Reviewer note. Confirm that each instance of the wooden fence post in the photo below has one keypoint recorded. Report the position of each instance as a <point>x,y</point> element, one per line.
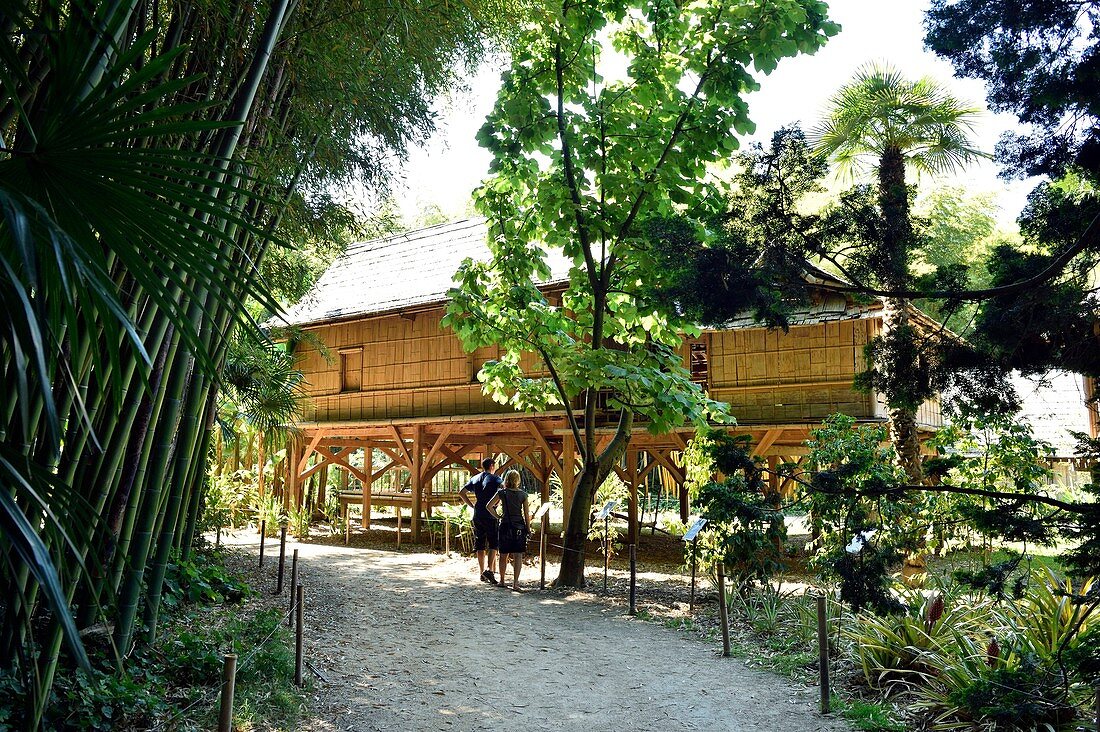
<point>299,630</point>
<point>633,578</point>
<point>694,566</point>
<point>229,682</point>
<point>606,550</point>
<point>282,561</point>
<point>263,535</point>
<point>723,611</point>
<point>447,536</point>
<point>293,584</point>
<point>823,653</point>
<point>542,550</point>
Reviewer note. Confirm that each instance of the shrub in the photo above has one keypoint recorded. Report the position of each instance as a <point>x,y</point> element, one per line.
<point>764,609</point>
<point>1024,698</point>
<point>745,529</point>
<point>202,579</point>
<point>1051,617</point>
<point>897,649</point>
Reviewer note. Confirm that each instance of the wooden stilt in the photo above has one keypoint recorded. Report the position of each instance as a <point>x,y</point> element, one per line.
<point>633,579</point>
<point>417,481</point>
<point>568,461</point>
<point>368,465</point>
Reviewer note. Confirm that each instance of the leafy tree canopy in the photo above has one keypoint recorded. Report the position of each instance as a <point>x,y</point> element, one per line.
<point>1039,60</point>
<point>584,165</point>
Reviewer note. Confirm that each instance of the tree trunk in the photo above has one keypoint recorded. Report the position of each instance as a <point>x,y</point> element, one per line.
<point>571,573</point>
<point>898,241</point>
<point>596,470</point>
<point>903,418</point>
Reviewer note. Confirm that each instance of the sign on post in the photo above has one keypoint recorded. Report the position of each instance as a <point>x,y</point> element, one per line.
<point>695,529</point>
<point>606,510</point>
<point>542,511</point>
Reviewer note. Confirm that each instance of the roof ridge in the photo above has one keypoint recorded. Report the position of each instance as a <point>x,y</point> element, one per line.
<point>410,235</point>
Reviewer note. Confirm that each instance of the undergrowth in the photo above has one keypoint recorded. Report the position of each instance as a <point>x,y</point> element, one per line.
<point>174,683</point>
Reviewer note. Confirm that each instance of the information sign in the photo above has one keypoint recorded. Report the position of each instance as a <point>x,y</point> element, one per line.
<point>695,529</point>
<point>543,509</point>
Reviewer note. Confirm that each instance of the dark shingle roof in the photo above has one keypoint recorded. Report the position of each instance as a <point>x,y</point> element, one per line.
<point>827,307</point>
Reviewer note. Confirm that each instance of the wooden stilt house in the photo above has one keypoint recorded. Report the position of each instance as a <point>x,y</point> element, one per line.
<point>387,383</point>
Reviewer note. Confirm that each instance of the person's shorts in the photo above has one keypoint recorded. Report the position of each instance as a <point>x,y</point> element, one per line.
<point>485,534</point>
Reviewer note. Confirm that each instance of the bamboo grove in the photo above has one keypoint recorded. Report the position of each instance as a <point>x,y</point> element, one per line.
<point>153,153</point>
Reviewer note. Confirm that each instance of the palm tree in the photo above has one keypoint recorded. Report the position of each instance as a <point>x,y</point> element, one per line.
<point>882,121</point>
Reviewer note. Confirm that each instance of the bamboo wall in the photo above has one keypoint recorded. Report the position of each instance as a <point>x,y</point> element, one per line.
<point>411,367</point>
<point>802,375</point>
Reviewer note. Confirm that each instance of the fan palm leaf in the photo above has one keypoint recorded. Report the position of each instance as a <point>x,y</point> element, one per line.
<point>881,110</point>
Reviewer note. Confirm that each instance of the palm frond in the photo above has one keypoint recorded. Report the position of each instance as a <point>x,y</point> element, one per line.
<point>881,109</point>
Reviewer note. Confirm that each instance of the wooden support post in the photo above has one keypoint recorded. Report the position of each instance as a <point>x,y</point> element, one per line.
<point>282,560</point>
<point>291,494</point>
<point>568,462</point>
<point>263,536</point>
<point>368,484</point>
<point>293,584</point>
<point>347,523</point>
<point>685,503</point>
<point>397,510</point>
<point>417,481</point>
<point>544,489</point>
<point>229,683</point>
<point>542,550</point>
<point>723,611</point>
<point>322,484</point>
<point>299,632</point>
<point>823,653</point>
<point>633,578</point>
<point>447,536</point>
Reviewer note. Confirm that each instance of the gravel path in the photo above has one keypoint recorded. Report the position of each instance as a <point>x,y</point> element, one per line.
<point>415,642</point>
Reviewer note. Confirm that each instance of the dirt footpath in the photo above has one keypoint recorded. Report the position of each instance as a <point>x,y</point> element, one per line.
<point>415,642</point>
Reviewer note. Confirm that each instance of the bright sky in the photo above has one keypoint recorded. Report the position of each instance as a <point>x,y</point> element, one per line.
<point>450,165</point>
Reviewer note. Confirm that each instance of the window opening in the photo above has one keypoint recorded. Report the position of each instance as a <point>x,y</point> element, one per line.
<point>351,370</point>
<point>699,363</point>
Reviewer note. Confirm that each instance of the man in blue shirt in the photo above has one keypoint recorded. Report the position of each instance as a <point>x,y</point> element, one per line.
<point>484,486</point>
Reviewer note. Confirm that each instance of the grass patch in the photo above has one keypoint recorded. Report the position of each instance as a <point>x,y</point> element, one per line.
<point>868,716</point>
